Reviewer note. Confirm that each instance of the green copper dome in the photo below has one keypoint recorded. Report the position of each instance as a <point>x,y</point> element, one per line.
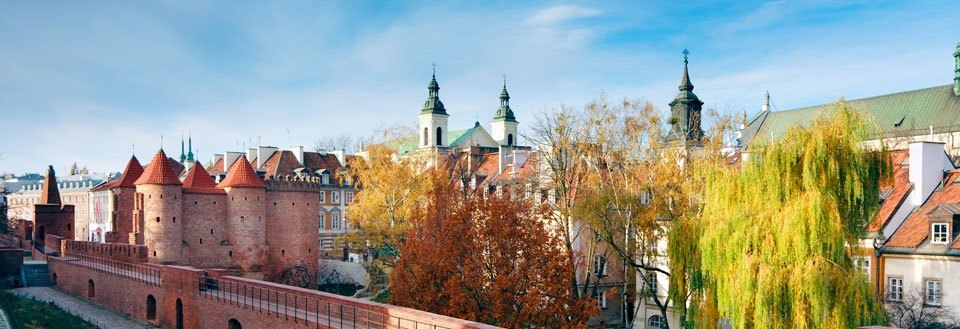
<point>433,105</point>
<point>504,113</point>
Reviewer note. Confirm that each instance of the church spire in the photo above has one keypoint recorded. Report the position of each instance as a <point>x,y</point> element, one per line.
<point>190,148</point>
<point>433,103</point>
<point>685,84</point>
<point>685,111</point>
<point>505,113</point>
<point>956,71</point>
<point>183,156</point>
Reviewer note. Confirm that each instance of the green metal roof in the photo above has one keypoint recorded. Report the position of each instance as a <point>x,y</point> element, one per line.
<point>409,145</point>
<point>907,113</point>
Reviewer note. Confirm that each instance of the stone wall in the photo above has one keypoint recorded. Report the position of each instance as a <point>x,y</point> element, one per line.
<point>204,234</point>
<point>292,228</point>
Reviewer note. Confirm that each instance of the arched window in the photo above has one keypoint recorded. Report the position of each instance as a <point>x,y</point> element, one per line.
<point>509,139</point>
<point>234,324</point>
<point>657,322</point>
<point>151,308</point>
<point>179,314</point>
<point>439,136</point>
<point>426,136</point>
<point>91,289</point>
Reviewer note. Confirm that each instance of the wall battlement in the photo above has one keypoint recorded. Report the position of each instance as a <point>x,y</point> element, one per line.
<point>292,183</point>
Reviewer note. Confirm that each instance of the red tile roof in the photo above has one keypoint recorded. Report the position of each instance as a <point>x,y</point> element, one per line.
<point>50,193</point>
<point>916,229</point>
<point>327,161</point>
<point>241,174</point>
<point>216,168</point>
<point>281,163</point>
<point>131,173</point>
<point>199,181</point>
<point>900,186</point>
<point>161,171</point>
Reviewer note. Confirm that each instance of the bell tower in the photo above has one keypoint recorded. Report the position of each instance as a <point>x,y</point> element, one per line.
<point>433,117</point>
<point>685,112</point>
<point>504,125</point>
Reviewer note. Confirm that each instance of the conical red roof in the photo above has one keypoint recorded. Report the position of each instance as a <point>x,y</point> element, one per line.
<point>198,181</point>
<point>50,194</point>
<point>159,172</point>
<point>131,173</point>
<point>241,174</point>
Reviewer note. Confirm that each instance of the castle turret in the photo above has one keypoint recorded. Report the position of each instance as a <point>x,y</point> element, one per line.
<point>504,125</point>
<point>246,214</point>
<point>124,194</point>
<point>433,117</point>
<point>160,196</point>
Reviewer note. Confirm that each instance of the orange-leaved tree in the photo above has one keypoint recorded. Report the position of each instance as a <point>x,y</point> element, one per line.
<point>486,259</point>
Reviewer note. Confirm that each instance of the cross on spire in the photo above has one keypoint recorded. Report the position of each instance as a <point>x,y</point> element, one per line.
<point>685,54</point>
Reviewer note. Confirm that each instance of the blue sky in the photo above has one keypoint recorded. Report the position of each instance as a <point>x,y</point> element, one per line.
<point>82,81</point>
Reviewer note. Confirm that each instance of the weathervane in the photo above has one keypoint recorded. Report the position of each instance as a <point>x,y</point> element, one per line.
<point>685,53</point>
<point>504,80</point>
<point>434,68</point>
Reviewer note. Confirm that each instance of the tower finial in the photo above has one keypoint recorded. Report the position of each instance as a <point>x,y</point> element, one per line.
<point>434,64</point>
<point>183,155</point>
<point>504,81</point>
<point>685,84</point>
<point>766,103</point>
<point>190,146</point>
<point>685,53</point>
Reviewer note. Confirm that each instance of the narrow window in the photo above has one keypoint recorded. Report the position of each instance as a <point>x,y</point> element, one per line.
<point>509,139</point>
<point>158,219</point>
<point>426,137</point>
<point>934,292</point>
<point>439,136</point>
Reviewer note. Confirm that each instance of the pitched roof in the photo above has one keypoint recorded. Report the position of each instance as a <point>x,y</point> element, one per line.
<point>161,171</point>
<point>915,230</point>
<point>241,174</point>
<point>322,161</point>
<point>898,114</point>
<point>216,168</point>
<point>281,163</point>
<point>409,145</point>
<point>50,193</point>
<point>199,181</point>
<point>898,188</point>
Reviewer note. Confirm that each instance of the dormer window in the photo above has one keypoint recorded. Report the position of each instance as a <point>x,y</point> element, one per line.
<point>326,178</point>
<point>940,233</point>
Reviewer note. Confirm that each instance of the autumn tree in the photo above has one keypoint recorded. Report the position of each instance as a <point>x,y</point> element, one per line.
<point>486,259</point>
<point>391,189</point>
<point>776,234</point>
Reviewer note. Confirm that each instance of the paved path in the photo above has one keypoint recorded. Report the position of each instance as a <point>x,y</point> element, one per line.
<point>98,315</point>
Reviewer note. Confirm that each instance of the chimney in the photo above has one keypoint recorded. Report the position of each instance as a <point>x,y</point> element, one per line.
<point>251,154</point>
<point>229,158</point>
<point>502,155</point>
<point>519,158</point>
<point>298,152</point>
<point>928,161</point>
<point>341,156</point>
<point>264,153</point>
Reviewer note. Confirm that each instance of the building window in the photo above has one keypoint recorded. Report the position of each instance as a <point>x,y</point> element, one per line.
<point>934,292</point>
<point>645,198</point>
<point>863,263</point>
<point>323,196</point>
<point>439,136</point>
<point>509,139</point>
<point>325,178</point>
<point>426,136</point>
<point>599,266</point>
<point>323,219</point>
<point>348,197</point>
<point>894,289</point>
<point>940,235</point>
<point>335,196</point>
<point>657,322</point>
<point>601,299</point>
<point>652,283</point>
<point>335,219</point>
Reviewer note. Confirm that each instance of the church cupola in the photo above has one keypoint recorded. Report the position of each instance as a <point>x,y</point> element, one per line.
<point>504,125</point>
<point>685,111</point>
<point>956,71</point>
<point>433,117</point>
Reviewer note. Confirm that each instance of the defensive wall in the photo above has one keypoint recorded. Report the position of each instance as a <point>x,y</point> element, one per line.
<point>185,297</point>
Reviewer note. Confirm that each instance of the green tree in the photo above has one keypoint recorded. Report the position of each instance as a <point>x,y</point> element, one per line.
<point>776,234</point>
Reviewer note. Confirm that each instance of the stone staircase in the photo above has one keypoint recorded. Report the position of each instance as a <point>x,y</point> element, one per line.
<point>35,274</point>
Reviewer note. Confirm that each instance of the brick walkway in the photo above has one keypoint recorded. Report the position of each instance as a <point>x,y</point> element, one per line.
<point>98,315</point>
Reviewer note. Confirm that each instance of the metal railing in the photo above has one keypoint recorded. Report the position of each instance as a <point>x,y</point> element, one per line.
<point>301,309</point>
<point>137,272</point>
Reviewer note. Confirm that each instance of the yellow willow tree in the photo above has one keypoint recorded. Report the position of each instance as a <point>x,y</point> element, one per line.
<point>777,234</point>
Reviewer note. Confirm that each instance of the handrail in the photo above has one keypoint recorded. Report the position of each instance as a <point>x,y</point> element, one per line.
<point>309,311</point>
<point>140,273</point>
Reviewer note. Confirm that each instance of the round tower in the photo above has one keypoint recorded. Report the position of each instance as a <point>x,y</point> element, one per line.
<point>246,217</point>
<point>159,188</point>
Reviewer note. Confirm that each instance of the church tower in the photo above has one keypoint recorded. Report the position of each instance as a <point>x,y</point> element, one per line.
<point>433,117</point>
<point>685,113</point>
<point>504,125</point>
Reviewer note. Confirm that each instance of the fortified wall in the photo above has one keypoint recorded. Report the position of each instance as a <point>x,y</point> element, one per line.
<point>185,297</point>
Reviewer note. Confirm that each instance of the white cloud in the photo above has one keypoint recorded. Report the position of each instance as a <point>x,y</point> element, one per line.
<point>560,14</point>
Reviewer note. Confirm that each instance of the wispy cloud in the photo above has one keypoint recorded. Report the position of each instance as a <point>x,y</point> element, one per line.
<point>561,13</point>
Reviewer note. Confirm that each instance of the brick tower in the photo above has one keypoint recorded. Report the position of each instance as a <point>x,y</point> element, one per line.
<point>159,190</point>
<point>246,222</point>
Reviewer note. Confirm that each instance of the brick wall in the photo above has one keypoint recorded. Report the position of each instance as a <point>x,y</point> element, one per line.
<point>114,251</point>
<point>213,307</point>
<point>291,229</point>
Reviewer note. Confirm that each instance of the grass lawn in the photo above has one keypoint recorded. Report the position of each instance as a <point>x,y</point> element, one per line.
<point>33,314</point>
